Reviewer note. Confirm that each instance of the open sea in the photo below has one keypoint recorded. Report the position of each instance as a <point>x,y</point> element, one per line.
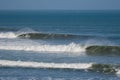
<point>60,45</point>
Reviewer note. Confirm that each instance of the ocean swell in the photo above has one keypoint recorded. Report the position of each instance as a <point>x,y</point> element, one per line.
<point>103,50</point>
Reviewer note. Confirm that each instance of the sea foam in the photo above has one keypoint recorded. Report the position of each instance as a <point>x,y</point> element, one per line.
<point>71,48</point>
<point>7,35</point>
<point>9,63</point>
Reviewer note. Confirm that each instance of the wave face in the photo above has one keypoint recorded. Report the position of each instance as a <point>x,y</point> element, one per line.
<point>35,35</point>
<point>51,36</point>
<point>103,50</point>
<point>104,68</point>
<point>46,36</point>
<point>31,34</point>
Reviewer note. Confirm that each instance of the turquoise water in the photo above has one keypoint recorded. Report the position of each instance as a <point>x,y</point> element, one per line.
<point>18,56</point>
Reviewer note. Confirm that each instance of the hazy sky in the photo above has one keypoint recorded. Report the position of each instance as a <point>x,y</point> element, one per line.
<point>60,4</point>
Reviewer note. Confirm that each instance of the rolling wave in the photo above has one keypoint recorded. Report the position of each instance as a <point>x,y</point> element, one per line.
<point>71,48</point>
<point>60,48</point>
<point>103,50</point>
<point>36,35</point>
<point>51,36</point>
<point>103,68</point>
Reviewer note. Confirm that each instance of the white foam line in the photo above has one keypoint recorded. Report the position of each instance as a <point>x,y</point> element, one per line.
<point>72,47</point>
<point>8,63</point>
<point>8,35</point>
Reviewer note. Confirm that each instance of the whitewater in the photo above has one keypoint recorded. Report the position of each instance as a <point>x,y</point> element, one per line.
<point>7,35</point>
<point>59,45</point>
<point>28,45</point>
<point>8,63</point>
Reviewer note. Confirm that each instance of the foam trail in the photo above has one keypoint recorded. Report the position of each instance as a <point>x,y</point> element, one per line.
<point>8,35</point>
<point>8,63</point>
<point>71,48</point>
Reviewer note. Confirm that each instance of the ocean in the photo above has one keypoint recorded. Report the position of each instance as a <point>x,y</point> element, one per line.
<point>60,45</point>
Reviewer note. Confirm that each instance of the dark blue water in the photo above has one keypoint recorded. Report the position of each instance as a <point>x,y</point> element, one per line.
<point>94,27</point>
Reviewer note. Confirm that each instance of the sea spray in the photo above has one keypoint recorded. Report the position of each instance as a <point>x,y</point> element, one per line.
<point>98,41</point>
<point>7,35</point>
<point>25,31</point>
<point>50,48</point>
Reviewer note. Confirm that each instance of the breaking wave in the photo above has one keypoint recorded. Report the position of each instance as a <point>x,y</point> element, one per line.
<point>71,48</point>
<point>7,35</point>
<point>41,35</point>
<point>103,68</point>
<point>28,45</point>
<point>36,35</point>
<point>51,36</point>
<point>8,63</point>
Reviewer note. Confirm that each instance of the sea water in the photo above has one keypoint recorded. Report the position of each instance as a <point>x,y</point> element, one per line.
<point>58,52</point>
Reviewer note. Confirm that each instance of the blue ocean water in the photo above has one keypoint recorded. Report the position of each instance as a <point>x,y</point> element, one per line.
<point>53,57</point>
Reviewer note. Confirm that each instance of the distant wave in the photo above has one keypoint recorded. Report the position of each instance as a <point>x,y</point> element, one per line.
<point>103,68</point>
<point>36,35</point>
<point>46,36</point>
<point>28,35</point>
<point>52,36</point>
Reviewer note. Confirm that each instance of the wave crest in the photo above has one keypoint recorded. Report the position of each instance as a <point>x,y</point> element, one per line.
<point>71,48</point>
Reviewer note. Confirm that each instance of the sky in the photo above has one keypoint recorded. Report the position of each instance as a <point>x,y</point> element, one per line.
<point>59,4</point>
